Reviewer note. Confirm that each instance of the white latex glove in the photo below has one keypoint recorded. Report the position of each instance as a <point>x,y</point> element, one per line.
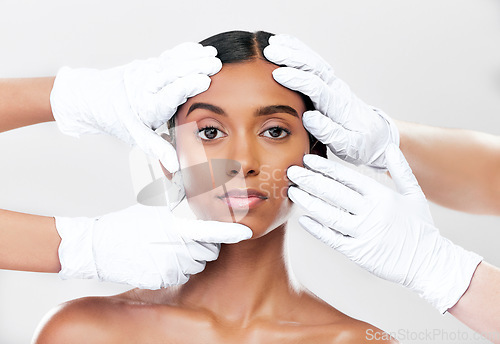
<point>130,101</point>
<point>354,131</point>
<point>390,234</point>
<point>143,246</point>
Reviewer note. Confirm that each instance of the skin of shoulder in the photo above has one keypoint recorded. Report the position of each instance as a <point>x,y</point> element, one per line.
<point>347,330</point>
<point>363,333</point>
<point>117,320</point>
<point>341,328</point>
<point>85,320</point>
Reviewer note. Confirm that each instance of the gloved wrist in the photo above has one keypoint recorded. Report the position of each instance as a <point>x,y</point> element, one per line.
<point>77,91</point>
<point>75,251</point>
<point>69,112</point>
<point>389,134</point>
<point>142,246</point>
<point>393,129</point>
<point>446,274</point>
<point>370,149</point>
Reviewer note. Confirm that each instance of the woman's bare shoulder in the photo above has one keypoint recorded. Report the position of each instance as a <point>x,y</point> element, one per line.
<point>85,320</point>
<point>358,332</point>
<point>333,326</point>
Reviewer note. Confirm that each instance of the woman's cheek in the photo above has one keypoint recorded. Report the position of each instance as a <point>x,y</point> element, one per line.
<point>278,182</point>
<point>265,187</point>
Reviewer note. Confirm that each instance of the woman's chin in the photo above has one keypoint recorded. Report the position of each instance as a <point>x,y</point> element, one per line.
<point>258,228</point>
<point>260,220</point>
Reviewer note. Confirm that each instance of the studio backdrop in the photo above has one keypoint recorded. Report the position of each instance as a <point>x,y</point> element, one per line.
<point>432,62</point>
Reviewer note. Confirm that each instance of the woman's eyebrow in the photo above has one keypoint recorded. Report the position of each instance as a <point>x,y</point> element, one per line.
<point>272,109</point>
<point>206,106</point>
<point>262,111</point>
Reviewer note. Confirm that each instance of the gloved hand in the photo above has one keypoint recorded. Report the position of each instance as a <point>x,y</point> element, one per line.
<point>390,234</point>
<point>354,131</point>
<point>146,247</point>
<point>130,101</point>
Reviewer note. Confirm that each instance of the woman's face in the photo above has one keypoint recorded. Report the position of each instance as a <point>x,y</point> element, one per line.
<point>252,127</point>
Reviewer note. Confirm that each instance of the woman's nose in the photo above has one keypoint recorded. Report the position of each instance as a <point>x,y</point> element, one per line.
<point>245,159</point>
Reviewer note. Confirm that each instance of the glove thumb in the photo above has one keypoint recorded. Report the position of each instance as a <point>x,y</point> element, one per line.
<point>400,171</point>
<point>328,132</point>
<point>214,231</point>
<point>155,146</point>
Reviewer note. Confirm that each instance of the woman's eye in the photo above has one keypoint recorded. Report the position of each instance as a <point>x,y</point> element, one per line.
<point>210,133</point>
<point>276,133</point>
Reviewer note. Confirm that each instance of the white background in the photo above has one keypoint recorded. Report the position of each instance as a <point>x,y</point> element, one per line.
<point>433,62</point>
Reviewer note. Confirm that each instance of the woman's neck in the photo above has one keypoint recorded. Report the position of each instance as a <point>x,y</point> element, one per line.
<point>249,280</point>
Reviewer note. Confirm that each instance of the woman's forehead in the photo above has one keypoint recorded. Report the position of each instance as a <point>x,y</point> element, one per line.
<point>248,84</point>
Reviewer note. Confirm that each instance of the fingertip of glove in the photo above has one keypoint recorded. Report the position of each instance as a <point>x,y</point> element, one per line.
<point>170,164</point>
<point>181,48</point>
<point>311,114</point>
<point>314,120</point>
<point>293,172</point>
<point>245,232</point>
<point>392,155</point>
<point>281,38</point>
<point>204,81</point>
<point>217,66</point>
<point>311,226</point>
<point>280,72</point>
<point>391,150</point>
<point>189,50</point>
<point>289,74</point>
<point>229,232</point>
<point>197,78</point>
<point>294,193</point>
<point>271,52</point>
<point>311,160</point>
<point>305,221</point>
<point>210,50</point>
<point>157,147</point>
<point>193,84</point>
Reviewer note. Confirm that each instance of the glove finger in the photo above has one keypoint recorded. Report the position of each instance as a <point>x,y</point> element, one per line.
<point>288,41</point>
<point>325,188</point>
<point>203,251</point>
<point>156,109</point>
<point>292,44</point>
<point>290,57</point>
<point>332,134</point>
<point>174,261</point>
<point>186,266</point>
<point>178,69</point>
<point>167,155</point>
<point>165,268</point>
<point>154,145</point>
<point>293,53</point>
<point>215,231</point>
<point>205,65</point>
<point>188,50</point>
<point>316,89</point>
<point>343,174</point>
<point>176,93</point>
<point>323,212</point>
<point>328,236</point>
<point>401,173</point>
<point>194,268</point>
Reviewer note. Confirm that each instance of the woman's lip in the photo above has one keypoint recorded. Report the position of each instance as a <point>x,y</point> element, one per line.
<point>242,199</point>
<point>243,194</point>
<point>242,203</point>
